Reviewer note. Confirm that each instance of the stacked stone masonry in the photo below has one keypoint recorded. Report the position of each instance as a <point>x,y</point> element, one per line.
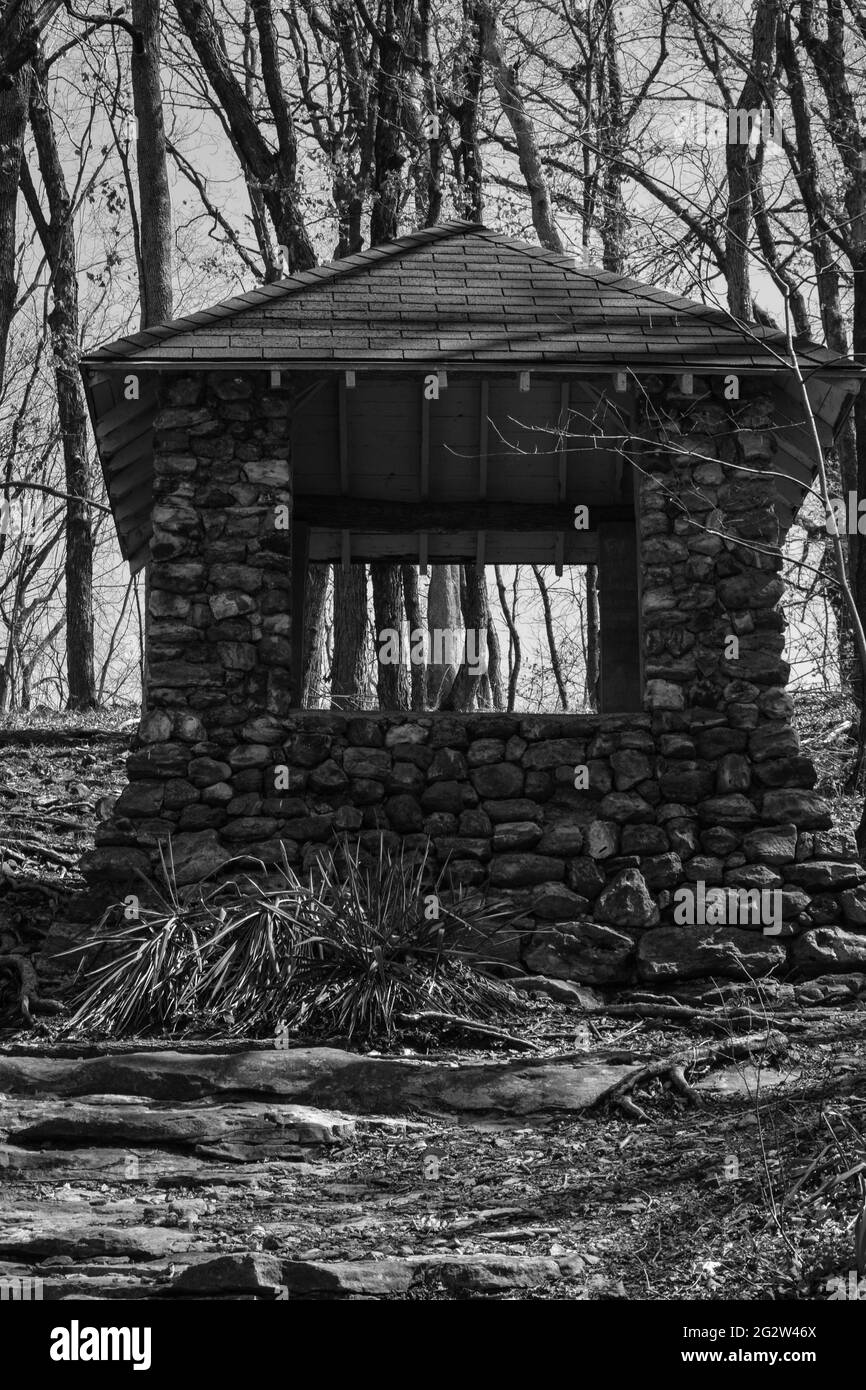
<point>708,786</point>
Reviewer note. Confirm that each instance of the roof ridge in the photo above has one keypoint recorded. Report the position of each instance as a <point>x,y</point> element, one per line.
<point>342,268</point>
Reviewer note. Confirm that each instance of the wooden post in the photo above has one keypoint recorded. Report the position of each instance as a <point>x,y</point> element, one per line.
<point>300,557</point>
<point>618,601</point>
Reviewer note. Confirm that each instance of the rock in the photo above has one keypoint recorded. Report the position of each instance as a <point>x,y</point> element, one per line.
<point>497,781</point>
<point>555,903</point>
<point>643,839</point>
<point>443,796</point>
<point>662,871</point>
<point>777,739</point>
<point>328,778</point>
<point>196,855</point>
<point>829,949</point>
<point>805,809</point>
<point>630,767</point>
<point>684,953</point>
<point>555,752</point>
<point>563,991</point>
<point>751,589</point>
<point>664,695</point>
<point>367,763</point>
<point>601,839</point>
<point>759,876</point>
<point>514,870</point>
<point>484,751</point>
<point>447,766</point>
<point>516,835</point>
<point>720,840</point>
<point>626,902</point>
<point>235,1273</point>
<point>564,838</point>
<point>323,1075</point>
<point>205,772</point>
<point>734,774</point>
<point>188,1126</point>
<point>686,781</point>
<point>510,810</point>
<point>365,1278</point>
<point>853,904</point>
<point>584,951</point>
<point>838,843</point>
<point>773,844</point>
<point>728,810</point>
<point>404,814</point>
<point>114,864</point>
<point>625,806</point>
<point>584,877</point>
<point>818,874</point>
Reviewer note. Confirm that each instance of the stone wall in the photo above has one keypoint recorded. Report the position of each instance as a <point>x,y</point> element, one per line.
<point>707,788</point>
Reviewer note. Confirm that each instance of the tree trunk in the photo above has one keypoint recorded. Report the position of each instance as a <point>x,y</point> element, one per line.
<point>515,655</point>
<point>58,237</point>
<point>514,110</point>
<point>443,615</point>
<point>391,684</point>
<point>593,647</point>
<point>350,637</point>
<point>315,598</point>
<point>14,97</point>
<point>154,199</point>
<point>551,637</point>
<point>739,214</point>
<point>412,603</point>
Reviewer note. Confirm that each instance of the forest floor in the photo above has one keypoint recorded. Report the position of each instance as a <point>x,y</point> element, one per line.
<point>636,1154</point>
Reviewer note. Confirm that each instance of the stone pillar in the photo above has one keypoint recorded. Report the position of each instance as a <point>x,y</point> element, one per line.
<point>218,629</point>
<point>737,801</point>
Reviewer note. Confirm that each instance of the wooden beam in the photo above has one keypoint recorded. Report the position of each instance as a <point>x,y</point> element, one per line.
<point>484,420</point>
<point>300,564</point>
<point>374,514</point>
<point>480,547</point>
<point>424,480</point>
<point>422,551</point>
<point>619,612</point>
<point>343,435</point>
<point>564,401</point>
<point>501,547</point>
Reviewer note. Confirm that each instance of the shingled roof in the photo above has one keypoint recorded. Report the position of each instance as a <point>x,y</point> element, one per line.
<point>455,296</point>
<point>458,293</point>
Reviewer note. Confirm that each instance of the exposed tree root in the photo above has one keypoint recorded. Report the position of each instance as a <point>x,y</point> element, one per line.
<point>673,1067</point>
<point>30,1001</point>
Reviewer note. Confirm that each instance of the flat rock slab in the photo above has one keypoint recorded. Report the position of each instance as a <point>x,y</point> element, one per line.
<point>255,1122</point>
<point>84,1236</point>
<point>154,1167</point>
<point>253,1272</point>
<point>746,1080</point>
<point>327,1077</point>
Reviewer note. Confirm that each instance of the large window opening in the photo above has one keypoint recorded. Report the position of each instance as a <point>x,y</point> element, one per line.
<point>461,637</point>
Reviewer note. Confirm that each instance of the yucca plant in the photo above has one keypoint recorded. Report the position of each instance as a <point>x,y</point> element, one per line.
<point>362,941</point>
<point>375,948</point>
